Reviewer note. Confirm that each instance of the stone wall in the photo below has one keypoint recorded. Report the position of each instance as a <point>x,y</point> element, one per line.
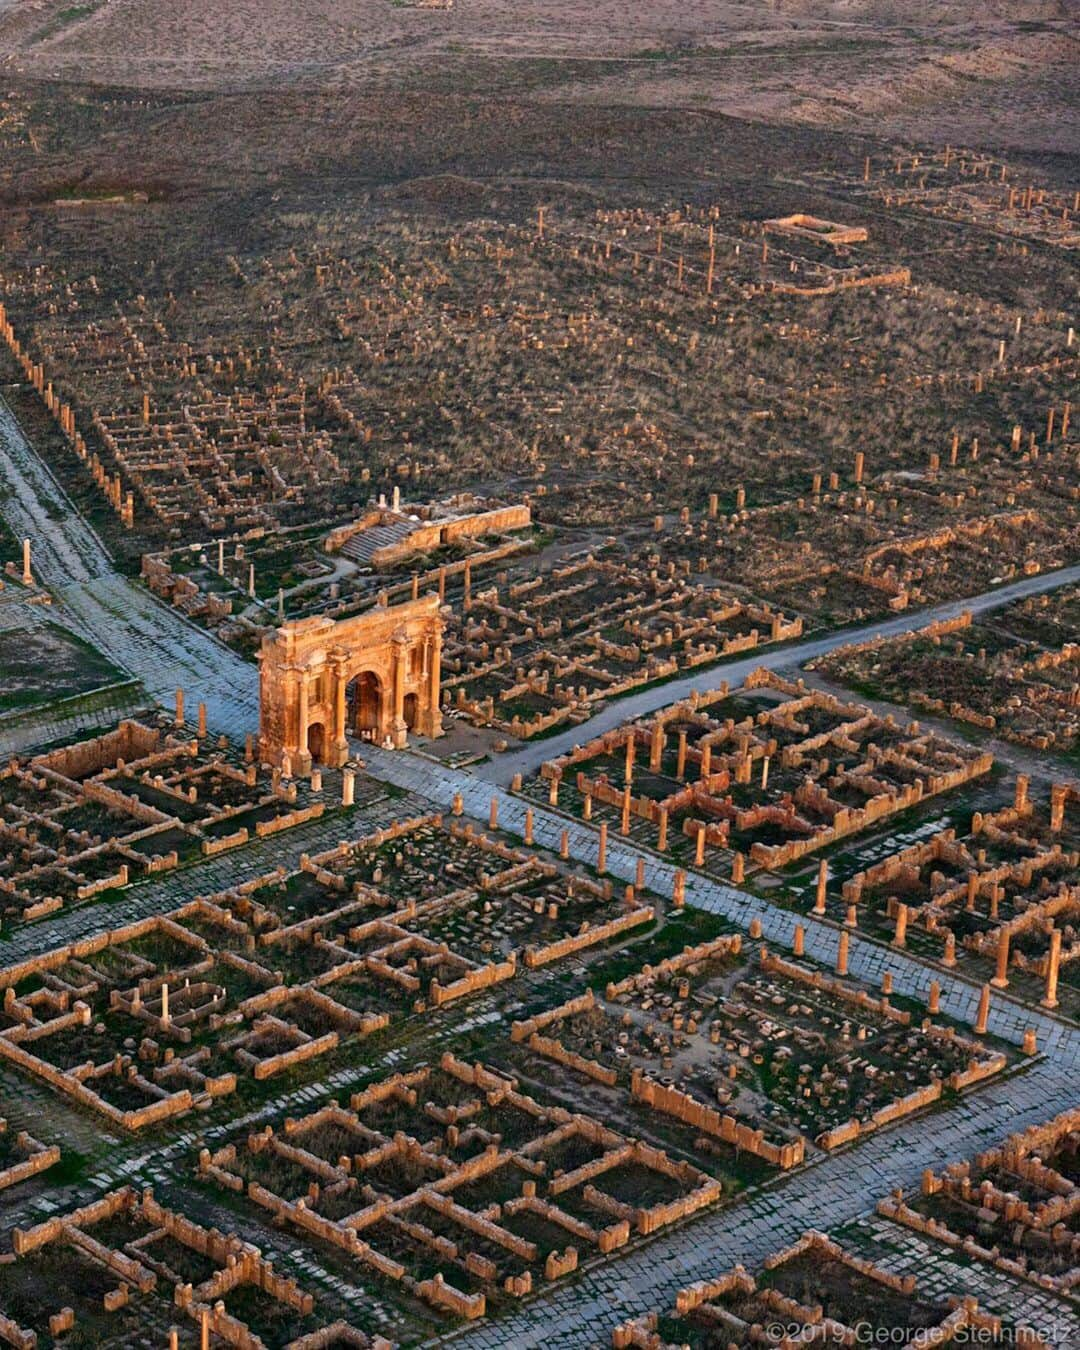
<point>672,1102</point>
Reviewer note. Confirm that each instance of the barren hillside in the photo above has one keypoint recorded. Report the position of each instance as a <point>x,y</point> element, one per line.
<point>1003,70</point>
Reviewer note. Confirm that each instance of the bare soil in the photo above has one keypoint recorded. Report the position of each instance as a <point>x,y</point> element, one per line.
<point>954,69</point>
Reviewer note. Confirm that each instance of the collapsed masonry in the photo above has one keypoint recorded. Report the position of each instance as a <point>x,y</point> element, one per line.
<point>241,586</point>
<point>702,1036</point>
<point>94,815</point>
<point>1019,676</point>
<point>1007,893</point>
<point>127,1260</point>
<point>529,654</point>
<point>237,985</point>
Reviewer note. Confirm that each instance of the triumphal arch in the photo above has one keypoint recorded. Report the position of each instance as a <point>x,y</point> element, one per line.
<point>375,676</point>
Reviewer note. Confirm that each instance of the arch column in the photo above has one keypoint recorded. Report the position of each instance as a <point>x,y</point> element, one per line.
<point>433,652</point>
<point>293,722</point>
<point>399,731</point>
<point>302,759</point>
<point>337,752</point>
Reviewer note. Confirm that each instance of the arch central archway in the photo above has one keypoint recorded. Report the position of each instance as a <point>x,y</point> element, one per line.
<point>364,697</point>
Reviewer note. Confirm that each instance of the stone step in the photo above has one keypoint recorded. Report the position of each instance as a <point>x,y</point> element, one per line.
<point>362,547</point>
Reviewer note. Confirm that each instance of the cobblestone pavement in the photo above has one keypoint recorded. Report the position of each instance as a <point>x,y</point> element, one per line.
<point>138,1162</point>
<point>834,1191</point>
<point>26,728</point>
<point>57,721</point>
<point>153,643</point>
<point>868,959</point>
<point>37,508</point>
<point>157,646</point>
<point>940,1272</point>
<point>163,650</point>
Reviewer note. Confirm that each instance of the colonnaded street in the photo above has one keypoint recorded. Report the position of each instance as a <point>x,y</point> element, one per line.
<point>162,651</point>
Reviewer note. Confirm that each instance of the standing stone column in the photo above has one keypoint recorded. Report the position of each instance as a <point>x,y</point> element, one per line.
<point>982,1017</point>
<point>1058,794</point>
<point>822,885</point>
<point>1001,973</point>
<point>1053,965</point>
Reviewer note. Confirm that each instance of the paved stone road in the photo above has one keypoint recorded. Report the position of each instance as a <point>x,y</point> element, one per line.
<point>788,656</point>
<point>152,642</point>
<point>37,508</point>
<point>940,1272</point>
<point>868,959</point>
<point>163,650</point>
<point>60,722</point>
<point>25,728</point>
<point>160,648</point>
<point>829,1193</point>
